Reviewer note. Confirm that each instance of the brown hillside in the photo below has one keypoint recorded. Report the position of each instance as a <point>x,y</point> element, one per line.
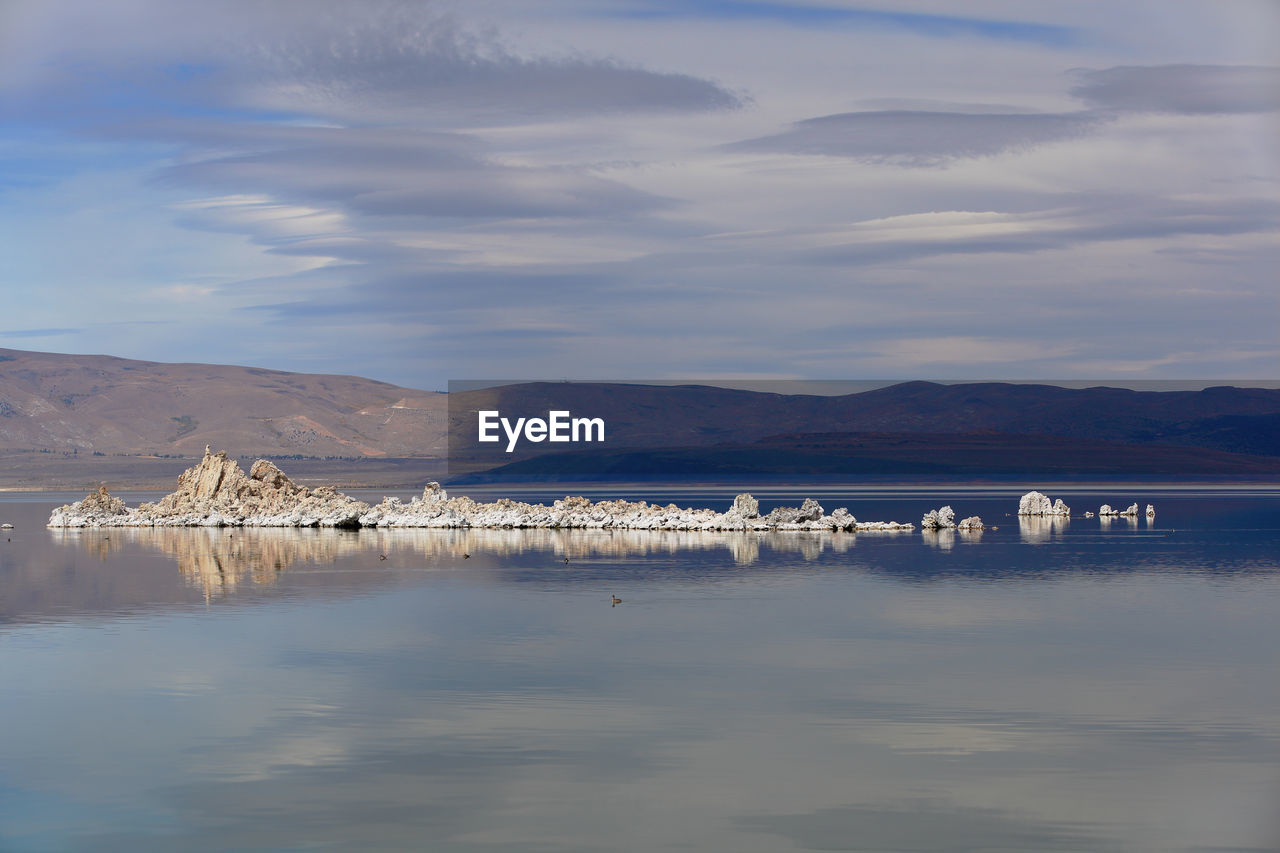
<point>98,403</point>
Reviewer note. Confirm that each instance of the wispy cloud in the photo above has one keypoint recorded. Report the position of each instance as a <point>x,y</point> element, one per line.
<point>1186,89</point>
<point>920,138</point>
<point>812,15</point>
<point>37,333</point>
<point>702,187</point>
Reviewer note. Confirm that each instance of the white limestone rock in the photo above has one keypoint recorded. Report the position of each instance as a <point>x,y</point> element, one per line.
<point>217,493</point>
<point>973,522</point>
<point>97,509</point>
<point>744,507</point>
<point>890,526</point>
<point>842,519</point>
<point>1106,511</point>
<point>1151,511</point>
<point>1034,503</point>
<point>1131,512</point>
<point>939,519</point>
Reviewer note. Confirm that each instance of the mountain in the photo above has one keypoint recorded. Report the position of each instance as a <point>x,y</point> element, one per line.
<point>99,417</point>
<point>895,455</point>
<point>83,404</point>
<point>1221,418</point>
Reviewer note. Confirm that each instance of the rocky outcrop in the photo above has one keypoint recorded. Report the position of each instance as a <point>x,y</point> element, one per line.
<point>744,507</point>
<point>939,519</point>
<point>945,519</point>
<point>98,509</point>
<point>1107,512</point>
<point>1131,512</point>
<point>217,493</point>
<point>435,509</point>
<point>1034,503</point>
<point>1151,511</point>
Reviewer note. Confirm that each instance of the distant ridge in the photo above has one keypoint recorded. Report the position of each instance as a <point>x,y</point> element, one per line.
<point>1229,419</point>
<point>889,456</point>
<point>105,408</point>
<point>84,404</point>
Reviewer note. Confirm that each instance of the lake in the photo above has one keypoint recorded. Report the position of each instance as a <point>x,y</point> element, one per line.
<point>1091,685</point>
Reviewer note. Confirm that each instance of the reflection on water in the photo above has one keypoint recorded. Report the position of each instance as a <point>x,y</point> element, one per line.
<point>1036,529</point>
<point>945,538</point>
<point>1044,687</point>
<point>222,557</point>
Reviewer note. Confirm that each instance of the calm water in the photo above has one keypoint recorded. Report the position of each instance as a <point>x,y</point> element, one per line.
<point>1081,687</point>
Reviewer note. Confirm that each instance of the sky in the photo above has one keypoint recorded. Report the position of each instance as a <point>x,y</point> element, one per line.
<point>575,189</point>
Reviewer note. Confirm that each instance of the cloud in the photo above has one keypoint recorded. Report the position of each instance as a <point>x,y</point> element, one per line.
<point>436,295</point>
<point>375,172</point>
<point>1185,89</point>
<point>902,239</point>
<point>372,62</point>
<point>37,333</point>
<point>922,138</point>
<point>557,185</point>
<point>392,69</point>
<point>805,15</point>
<point>922,826</point>
<point>933,137</point>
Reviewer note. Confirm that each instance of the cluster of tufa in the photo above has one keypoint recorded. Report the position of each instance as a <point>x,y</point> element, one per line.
<point>945,519</point>
<point>217,493</point>
<point>1106,511</point>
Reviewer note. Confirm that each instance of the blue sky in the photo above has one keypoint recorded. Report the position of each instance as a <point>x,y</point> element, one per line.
<point>427,191</point>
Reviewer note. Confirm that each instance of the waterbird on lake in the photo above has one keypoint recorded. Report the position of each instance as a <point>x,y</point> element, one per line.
<point>382,556</point>
<point>466,556</point>
<point>566,561</point>
<point>616,600</point>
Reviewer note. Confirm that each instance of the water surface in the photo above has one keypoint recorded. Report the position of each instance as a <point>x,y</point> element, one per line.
<point>1078,686</point>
